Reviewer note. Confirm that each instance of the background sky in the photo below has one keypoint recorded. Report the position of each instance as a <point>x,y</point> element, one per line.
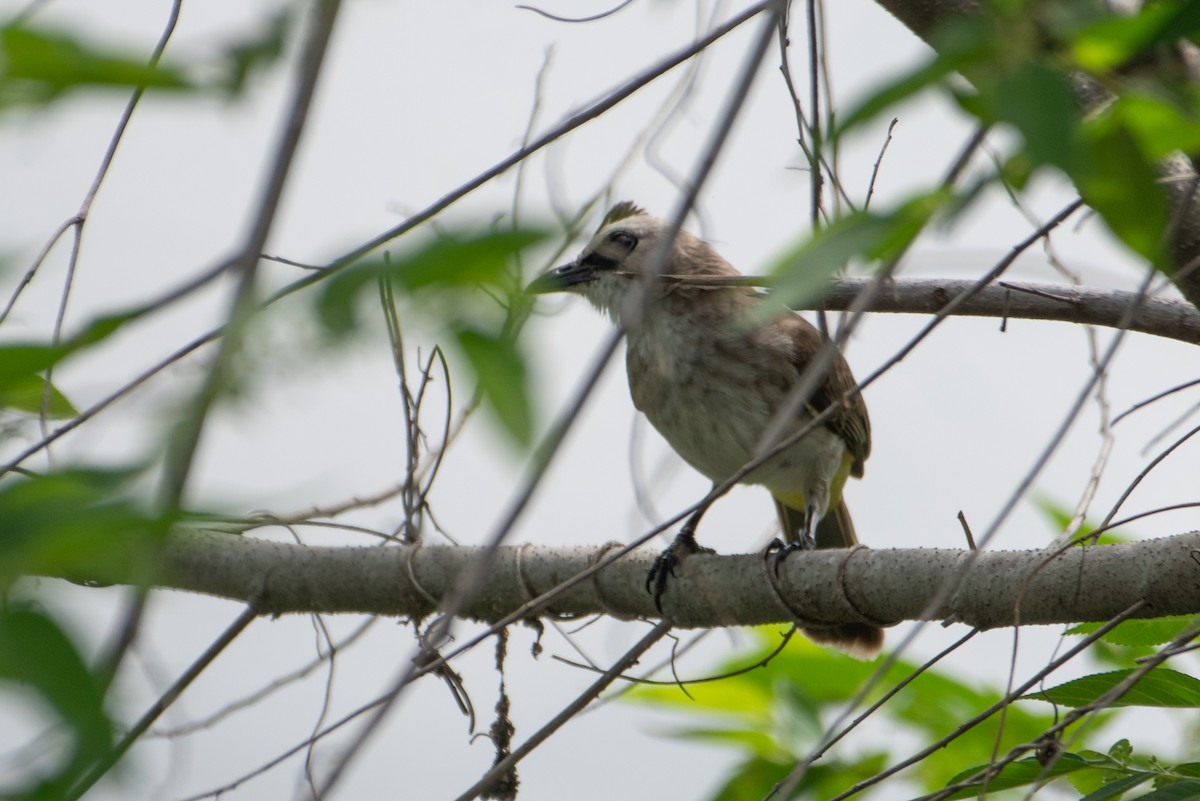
<point>416,99</point>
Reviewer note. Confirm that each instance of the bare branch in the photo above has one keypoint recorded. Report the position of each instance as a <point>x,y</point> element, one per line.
<point>885,586</point>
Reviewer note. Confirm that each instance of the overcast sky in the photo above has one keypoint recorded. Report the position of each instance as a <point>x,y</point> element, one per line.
<point>416,99</point>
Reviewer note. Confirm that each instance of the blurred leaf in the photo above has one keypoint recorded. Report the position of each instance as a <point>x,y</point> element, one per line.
<point>1159,125</point>
<point>75,523</point>
<point>500,370</point>
<point>24,393</point>
<point>1111,42</point>
<point>1060,517</point>
<point>38,66</point>
<point>449,263</point>
<point>751,780</point>
<point>960,43</point>
<point>1122,186</point>
<point>755,778</point>
<point>1039,102</point>
<point>22,366</point>
<point>802,272</point>
<point>35,652</point>
<point>253,54</point>
<point>902,88</point>
<point>1158,688</point>
<point>747,740</point>
<point>20,363</point>
<point>446,280</point>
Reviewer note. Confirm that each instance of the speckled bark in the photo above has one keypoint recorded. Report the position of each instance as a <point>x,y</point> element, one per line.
<point>875,586</point>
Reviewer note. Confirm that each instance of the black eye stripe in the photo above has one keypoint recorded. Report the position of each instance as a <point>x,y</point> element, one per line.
<point>599,262</point>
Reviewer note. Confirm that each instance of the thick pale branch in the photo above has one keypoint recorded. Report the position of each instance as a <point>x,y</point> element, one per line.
<point>884,586</point>
<point>1174,319</point>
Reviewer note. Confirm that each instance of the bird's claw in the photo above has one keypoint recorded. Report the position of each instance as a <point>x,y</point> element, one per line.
<point>665,563</point>
<point>778,551</point>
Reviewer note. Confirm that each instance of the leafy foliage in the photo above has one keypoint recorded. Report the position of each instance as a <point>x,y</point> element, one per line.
<point>777,714</point>
<point>37,66</point>
<point>451,281</point>
<point>78,522</point>
<point>1027,63</point>
<point>38,655</point>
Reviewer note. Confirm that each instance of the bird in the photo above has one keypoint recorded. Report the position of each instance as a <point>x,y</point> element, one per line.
<point>711,363</point>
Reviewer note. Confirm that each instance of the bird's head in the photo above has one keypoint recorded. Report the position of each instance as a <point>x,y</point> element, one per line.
<point>625,248</point>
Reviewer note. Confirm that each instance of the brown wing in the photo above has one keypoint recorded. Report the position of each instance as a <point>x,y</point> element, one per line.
<point>850,421</point>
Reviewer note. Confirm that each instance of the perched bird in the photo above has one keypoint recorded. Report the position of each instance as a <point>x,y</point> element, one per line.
<point>710,367</point>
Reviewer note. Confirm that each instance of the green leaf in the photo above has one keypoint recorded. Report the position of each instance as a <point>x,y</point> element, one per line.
<point>24,393</point>
<point>500,370</point>
<point>39,66</point>
<point>1180,791</point>
<point>1139,633</point>
<point>36,653</point>
<point>1158,688</point>
<point>1121,751</point>
<point>1017,774</point>
<point>1117,788</point>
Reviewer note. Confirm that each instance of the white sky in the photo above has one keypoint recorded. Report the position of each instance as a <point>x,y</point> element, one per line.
<point>416,99</point>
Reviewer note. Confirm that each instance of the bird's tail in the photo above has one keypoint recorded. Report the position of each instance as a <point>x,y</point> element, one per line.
<point>834,530</point>
<point>859,640</point>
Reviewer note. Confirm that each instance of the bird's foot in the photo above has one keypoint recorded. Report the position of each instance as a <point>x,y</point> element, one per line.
<point>778,551</point>
<point>664,565</point>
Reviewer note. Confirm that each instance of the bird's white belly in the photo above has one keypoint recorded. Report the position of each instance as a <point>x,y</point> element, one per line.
<point>712,405</point>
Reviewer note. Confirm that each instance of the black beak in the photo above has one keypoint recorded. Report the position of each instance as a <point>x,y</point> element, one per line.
<point>560,278</point>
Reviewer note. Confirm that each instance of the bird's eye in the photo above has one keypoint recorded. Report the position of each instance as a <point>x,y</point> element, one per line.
<point>624,239</point>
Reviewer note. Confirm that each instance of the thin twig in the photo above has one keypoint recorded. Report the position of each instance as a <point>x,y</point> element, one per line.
<point>183,447</point>
<point>974,721</point>
<point>210,654</point>
<point>629,659</point>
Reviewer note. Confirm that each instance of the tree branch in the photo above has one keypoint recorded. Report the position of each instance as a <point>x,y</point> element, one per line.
<point>881,586</point>
<point>1172,319</point>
